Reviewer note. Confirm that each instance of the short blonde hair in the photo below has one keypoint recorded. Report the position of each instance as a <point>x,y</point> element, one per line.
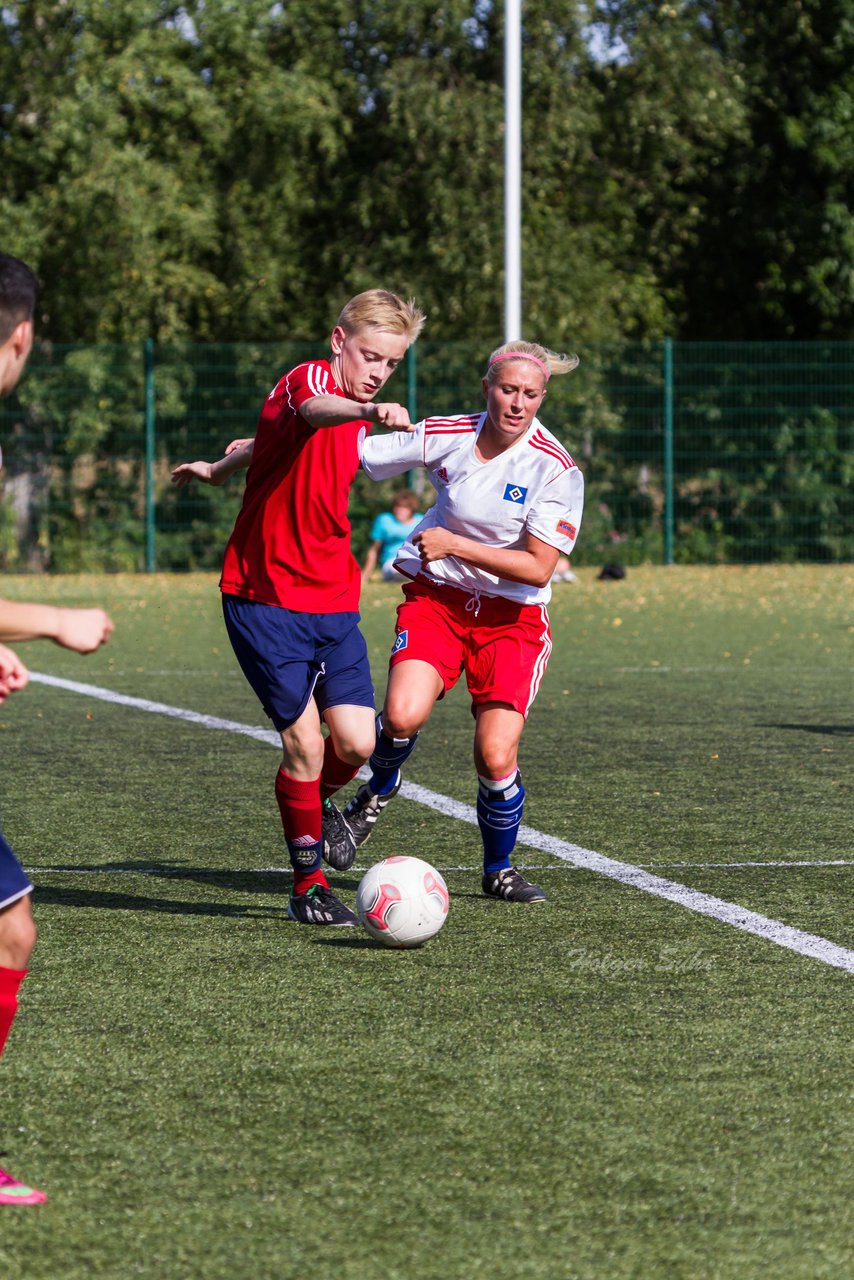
<point>380,309</point>
<point>549,361</point>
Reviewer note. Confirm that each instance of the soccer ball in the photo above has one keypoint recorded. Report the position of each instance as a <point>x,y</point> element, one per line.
<point>402,902</point>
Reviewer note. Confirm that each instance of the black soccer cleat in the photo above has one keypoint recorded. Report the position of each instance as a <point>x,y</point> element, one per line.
<point>361,813</point>
<point>320,906</point>
<point>339,847</point>
<point>511,886</point>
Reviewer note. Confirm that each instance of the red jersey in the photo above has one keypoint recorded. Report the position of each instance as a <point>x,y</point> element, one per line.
<point>291,541</point>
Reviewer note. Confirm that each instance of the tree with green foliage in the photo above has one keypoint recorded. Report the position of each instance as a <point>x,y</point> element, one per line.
<point>764,143</point>
<point>218,172</point>
<point>776,259</point>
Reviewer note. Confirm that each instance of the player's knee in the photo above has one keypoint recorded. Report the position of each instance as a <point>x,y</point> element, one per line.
<point>302,750</point>
<point>356,750</point>
<point>17,934</point>
<point>353,734</point>
<point>363,750</point>
<point>494,761</point>
<point>401,721</point>
<point>404,714</point>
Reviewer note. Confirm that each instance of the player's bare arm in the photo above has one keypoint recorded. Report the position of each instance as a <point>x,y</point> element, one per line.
<point>371,560</point>
<point>534,564</point>
<point>332,411</point>
<point>13,674</point>
<point>186,472</point>
<point>83,630</point>
<point>237,457</point>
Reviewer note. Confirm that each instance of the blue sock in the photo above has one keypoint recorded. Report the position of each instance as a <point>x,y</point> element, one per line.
<point>388,755</point>
<point>499,816</point>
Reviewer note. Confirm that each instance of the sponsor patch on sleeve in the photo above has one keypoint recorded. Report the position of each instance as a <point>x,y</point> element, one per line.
<point>568,530</point>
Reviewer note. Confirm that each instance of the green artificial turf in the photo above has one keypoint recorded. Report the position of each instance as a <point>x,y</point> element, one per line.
<point>606,1087</point>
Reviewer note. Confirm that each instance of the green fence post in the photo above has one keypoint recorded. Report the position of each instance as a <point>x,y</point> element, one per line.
<point>411,401</point>
<point>668,451</point>
<point>149,455</point>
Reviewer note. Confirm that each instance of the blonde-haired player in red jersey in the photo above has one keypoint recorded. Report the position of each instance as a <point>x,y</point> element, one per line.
<point>290,583</point>
<point>509,500</point>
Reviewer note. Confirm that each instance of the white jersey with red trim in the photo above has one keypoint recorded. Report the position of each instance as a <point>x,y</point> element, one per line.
<point>532,487</point>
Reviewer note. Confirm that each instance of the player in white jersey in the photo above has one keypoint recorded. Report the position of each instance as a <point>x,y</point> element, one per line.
<point>509,502</point>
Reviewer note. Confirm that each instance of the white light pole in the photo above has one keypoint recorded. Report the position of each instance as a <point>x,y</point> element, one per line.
<point>512,170</point>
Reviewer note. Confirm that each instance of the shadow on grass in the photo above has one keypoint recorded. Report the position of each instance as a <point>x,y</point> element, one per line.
<point>262,879</point>
<point>814,728</point>
<point>104,900</point>
<point>273,883</point>
<point>346,938</point>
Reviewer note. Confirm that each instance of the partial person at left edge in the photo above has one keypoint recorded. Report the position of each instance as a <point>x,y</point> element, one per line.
<point>83,630</point>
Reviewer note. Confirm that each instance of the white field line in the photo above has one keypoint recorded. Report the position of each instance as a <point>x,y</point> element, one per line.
<point>806,944</point>
<point>833,862</point>
<point>159,708</point>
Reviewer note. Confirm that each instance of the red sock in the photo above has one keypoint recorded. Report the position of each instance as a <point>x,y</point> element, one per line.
<point>299,805</point>
<point>10,980</point>
<point>335,773</point>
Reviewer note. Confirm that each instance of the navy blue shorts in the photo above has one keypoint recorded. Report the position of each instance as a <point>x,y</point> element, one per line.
<point>288,658</point>
<point>13,882</point>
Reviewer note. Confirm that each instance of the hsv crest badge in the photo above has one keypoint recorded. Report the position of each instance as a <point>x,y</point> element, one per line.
<point>514,493</point>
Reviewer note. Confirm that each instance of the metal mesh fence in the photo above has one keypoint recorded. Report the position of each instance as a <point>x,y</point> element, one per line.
<point>693,452</point>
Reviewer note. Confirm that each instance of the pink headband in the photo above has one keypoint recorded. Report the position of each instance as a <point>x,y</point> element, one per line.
<point>521,355</point>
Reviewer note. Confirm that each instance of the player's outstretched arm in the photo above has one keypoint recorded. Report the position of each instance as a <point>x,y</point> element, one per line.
<point>331,411</point>
<point>394,416</point>
<point>83,630</point>
<point>186,472</point>
<point>13,674</point>
<point>237,457</point>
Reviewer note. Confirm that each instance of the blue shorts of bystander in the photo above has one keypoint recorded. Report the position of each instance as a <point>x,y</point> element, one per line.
<point>13,880</point>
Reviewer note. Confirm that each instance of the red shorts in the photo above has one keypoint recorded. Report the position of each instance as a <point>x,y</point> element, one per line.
<point>502,646</point>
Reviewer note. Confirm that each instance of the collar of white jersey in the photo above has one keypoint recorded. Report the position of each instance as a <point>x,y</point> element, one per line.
<point>536,425</point>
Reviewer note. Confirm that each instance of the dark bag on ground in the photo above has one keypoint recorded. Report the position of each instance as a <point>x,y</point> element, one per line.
<point>611,571</point>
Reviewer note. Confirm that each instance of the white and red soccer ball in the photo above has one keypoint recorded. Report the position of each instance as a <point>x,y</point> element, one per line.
<point>402,902</point>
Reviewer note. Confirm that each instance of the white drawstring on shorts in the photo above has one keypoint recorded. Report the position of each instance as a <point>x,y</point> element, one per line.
<point>473,602</point>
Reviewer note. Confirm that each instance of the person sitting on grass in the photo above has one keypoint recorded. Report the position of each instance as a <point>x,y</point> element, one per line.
<point>389,531</point>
